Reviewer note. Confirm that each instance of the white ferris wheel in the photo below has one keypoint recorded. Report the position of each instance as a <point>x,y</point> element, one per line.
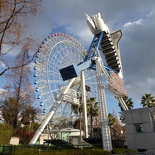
<point>66,74</point>
<point>56,52</point>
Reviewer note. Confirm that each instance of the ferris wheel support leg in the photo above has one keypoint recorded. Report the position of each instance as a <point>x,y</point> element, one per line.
<point>49,116</point>
<point>122,103</point>
<point>41,128</point>
<point>68,85</point>
<point>106,137</point>
<point>84,104</point>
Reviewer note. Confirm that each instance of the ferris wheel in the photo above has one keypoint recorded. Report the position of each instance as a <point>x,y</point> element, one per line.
<point>58,51</point>
<point>65,72</point>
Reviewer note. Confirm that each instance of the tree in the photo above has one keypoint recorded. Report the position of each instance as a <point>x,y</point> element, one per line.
<point>92,111</point>
<point>78,123</point>
<point>26,132</point>
<point>111,119</point>
<point>117,130</point>
<point>13,23</point>
<point>17,104</point>
<point>129,104</point>
<point>78,110</point>
<point>5,133</point>
<point>148,100</point>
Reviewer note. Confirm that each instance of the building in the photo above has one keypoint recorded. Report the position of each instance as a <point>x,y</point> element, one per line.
<point>67,134</point>
<point>140,128</point>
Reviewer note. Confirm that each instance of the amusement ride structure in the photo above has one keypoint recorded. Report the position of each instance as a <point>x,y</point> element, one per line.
<point>66,74</point>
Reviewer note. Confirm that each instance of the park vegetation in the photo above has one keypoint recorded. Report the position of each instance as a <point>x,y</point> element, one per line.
<point>17,111</point>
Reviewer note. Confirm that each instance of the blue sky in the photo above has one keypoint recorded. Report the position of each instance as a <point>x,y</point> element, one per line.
<point>136,19</point>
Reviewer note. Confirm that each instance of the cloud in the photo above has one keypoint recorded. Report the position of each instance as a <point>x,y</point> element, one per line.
<point>2,92</point>
<point>136,19</point>
<point>138,53</point>
<point>2,64</point>
<point>131,24</point>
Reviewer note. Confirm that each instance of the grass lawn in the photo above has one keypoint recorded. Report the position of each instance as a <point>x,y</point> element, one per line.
<point>38,150</point>
<point>62,152</point>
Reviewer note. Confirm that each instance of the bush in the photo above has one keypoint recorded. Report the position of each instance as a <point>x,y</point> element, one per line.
<point>6,132</point>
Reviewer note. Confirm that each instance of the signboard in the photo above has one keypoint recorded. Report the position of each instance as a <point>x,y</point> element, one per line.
<point>116,85</point>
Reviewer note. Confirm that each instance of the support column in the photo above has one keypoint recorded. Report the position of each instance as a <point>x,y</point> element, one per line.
<point>106,136</point>
<point>83,89</point>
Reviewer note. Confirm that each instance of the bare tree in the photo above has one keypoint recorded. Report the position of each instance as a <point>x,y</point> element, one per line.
<point>13,22</point>
<point>17,106</point>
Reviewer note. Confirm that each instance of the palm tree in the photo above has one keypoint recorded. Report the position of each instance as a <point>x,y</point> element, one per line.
<point>78,110</point>
<point>129,104</point>
<point>92,111</point>
<point>148,101</point>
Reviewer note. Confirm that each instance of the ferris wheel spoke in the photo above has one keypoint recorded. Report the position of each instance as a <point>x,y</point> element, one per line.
<point>55,59</point>
<point>52,71</point>
<point>90,77</point>
<point>55,81</point>
<point>89,73</point>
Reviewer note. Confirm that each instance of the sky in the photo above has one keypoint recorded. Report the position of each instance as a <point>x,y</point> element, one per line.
<point>136,20</point>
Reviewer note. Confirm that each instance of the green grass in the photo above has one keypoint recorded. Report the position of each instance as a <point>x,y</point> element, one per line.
<point>62,152</point>
<point>122,151</point>
<point>53,150</point>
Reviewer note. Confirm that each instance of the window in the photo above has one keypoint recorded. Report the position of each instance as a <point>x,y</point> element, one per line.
<point>138,127</point>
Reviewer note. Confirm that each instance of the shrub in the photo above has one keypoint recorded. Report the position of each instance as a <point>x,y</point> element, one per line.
<point>6,132</point>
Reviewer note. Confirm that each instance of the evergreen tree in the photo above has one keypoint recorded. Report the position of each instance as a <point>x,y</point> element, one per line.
<point>148,100</point>
<point>92,111</point>
<point>129,104</point>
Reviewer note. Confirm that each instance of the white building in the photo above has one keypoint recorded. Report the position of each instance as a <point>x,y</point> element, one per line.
<point>67,134</point>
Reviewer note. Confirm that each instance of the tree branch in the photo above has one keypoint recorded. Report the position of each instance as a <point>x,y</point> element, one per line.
<point>14,67</point>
